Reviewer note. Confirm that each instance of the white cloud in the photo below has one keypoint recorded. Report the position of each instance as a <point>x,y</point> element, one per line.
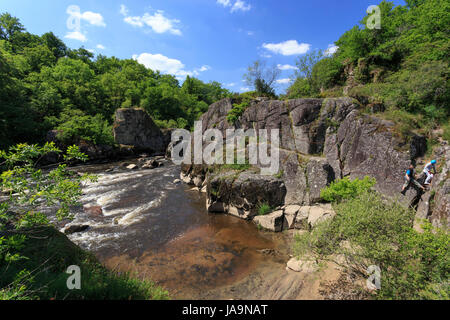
<point>134,21</point>
<point>240,5</point>
<point>288,48</point>
<point>123,10</point>
<point>284,81</point>
<point>204,68</point>
<point>159,62</point>
<point>286,67</point>
<point>101,47</point>
<point>157,21</point>
<point>91,50</point>
<point>75,19</point>
<point>225,3</point>
<point>93,18</point>
<point>231,84</point>
<point>244,89</point>
<point>331,50</point>
<point>265,55</point>
<point>76,35</point>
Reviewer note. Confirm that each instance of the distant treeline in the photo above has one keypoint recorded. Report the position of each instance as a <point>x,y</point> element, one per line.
<point>44,85</point>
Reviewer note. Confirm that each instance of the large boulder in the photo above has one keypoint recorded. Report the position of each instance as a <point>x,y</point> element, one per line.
<point>272,221</point>
<point>304,177</point>
<point>243,193</point>
<point>290,214</point>
<point>319,174</point>
<point>306,266</point>
<point>134,127</point>
<point>309,216</point>
<point>320,213</point>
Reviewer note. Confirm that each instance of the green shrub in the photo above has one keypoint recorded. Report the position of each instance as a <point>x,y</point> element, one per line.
<point>264,209</point>
<point>237,167</point>
<point>34,256</point>
<point>301,88</point>
<point>241,102</point>
<point>413,265</point>
<point>180,123</point>
<point>446,134</point>
<point>75,126</point>
<point>326,74</point>
<point>279,175</point>
<point>48,253</point>
<point>345,189</point>
<point>405,122</point>
<point>236,112</point>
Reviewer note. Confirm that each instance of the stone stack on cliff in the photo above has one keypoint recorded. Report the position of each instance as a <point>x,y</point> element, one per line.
<point>320,140</point>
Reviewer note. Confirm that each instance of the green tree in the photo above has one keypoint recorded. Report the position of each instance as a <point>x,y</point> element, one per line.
<point>74,126</point>
<point>9,26</point>
<point>262,78</point>
<point>55,45</point>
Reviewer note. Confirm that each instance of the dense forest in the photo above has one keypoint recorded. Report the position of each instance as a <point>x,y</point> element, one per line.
<point>403,66</point>
<point>44,85</point>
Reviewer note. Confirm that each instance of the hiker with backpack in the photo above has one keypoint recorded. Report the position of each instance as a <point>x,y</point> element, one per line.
<point>430,166</point>
<point>410,179</point>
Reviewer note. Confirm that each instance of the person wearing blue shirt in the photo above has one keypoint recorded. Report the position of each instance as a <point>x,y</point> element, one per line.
<point>410,179</point>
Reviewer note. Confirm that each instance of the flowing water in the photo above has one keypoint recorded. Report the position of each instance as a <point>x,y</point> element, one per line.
<point>162,231</point>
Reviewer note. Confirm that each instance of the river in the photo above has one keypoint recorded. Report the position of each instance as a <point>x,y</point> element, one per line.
<point>160,230</point>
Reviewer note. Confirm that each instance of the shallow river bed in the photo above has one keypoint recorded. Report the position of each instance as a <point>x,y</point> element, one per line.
<point>162,231</point>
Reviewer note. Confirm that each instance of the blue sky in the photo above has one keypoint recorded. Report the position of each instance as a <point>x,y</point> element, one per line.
<point>209,39</point>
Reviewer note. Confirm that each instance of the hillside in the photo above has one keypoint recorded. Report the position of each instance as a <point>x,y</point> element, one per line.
<point>401,70</point>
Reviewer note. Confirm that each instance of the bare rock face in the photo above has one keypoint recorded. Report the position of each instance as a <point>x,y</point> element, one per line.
<point>440,216</point>
<point>94,210</point>
<point>440,191</point>
<point>216,115</point>
<point>272,221</point>
<point>320,174</point>
<point>321,140</point>
<point>367,146</point>
<point>134,127</point>
<point>243,193</point>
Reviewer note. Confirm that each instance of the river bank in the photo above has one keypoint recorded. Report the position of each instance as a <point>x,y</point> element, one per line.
<point>150,225</point>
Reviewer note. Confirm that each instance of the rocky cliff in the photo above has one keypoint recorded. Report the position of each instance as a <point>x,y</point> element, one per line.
<point>134,127</point>
<point>320,140</point>
<point>435,205</point>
